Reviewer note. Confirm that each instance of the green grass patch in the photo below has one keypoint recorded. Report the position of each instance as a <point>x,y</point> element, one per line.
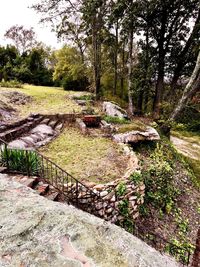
<point>87,158</point>
<point>46,100</point>
<point>115,120</point>
<point>132,126</point>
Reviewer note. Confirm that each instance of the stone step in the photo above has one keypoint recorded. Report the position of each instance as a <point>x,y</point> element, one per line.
<point>10,126</point>
<point>42,189</point>
<point>16,132</point>
<point>45,121</point>
<point>3,169</point>
<point>53,124</point>
<point>29,182</point>
<point>53,196</point>
<point>59,126</point>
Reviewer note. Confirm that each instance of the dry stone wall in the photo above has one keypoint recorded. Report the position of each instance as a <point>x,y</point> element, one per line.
<point>111,201</point>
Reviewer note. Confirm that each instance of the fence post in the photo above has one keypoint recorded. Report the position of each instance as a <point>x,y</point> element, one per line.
<point>7,156</point>
<point>27,163</point>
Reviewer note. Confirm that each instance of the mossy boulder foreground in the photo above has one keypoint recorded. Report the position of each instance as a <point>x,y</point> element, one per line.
<point>37,232</point>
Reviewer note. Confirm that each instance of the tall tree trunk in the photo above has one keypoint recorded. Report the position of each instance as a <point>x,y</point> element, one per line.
<point>96,43</point>
<point>122,71</point>
<point>130,72</point>
<point>115,60</point>
<point>161,65</point>
<point>147,67</point>
<point>191,89</point>
<point>159,88</point>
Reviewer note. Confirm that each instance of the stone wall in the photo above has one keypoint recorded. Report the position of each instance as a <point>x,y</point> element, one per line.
<point>111,201</point>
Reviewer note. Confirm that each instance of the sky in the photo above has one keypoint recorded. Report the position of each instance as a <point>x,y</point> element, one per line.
<point>14,12</point>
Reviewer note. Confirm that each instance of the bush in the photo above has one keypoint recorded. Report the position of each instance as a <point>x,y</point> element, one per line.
<point>21,161</point>
<point>190,118</point>
<point>115,120</point>
<point>11,84</point>
<point>75,85</point>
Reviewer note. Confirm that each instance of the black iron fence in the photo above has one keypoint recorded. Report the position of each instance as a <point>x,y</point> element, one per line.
<point>32,163</point>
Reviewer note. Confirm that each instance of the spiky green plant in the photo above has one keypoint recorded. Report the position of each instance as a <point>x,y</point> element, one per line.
<point>22,161</point>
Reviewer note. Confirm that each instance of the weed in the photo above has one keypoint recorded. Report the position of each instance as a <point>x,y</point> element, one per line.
<point>121,189</point>
<point>116,120</point>
<point>136,178</point>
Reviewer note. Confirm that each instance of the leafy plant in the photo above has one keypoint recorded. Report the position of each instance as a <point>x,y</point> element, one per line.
<point>160,191</point>
<point>85,97</point>
<point>121,189</point>
<point>123,207</point>
<point>180,250</point>
<point>22,161</point>
<point>115,120</point>
<point>136,177</point>
<point>11,84</point>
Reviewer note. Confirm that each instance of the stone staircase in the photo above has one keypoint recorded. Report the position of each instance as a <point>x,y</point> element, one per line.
<point>37,184</point>
<point>32,132</point>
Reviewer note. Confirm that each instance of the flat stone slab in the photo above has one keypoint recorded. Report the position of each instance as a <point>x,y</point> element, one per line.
<point>114,110</point>
<point>43,129</point>
<point>38,232</point>
<point>18,144</point>
<point>135,136</point>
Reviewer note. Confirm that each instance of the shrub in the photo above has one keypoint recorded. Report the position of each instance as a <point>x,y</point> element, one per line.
<point>121,189</point>
<point>115,120</point>
<point>136,177</point>
<point>11,84</point>
<point>75,85</point>
<point>85,97</point>
<point>21,161</point>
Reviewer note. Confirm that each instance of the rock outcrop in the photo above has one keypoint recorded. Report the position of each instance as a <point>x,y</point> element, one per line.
<point>135,136</point>
<point>114,110</point>
<point>37,232</point>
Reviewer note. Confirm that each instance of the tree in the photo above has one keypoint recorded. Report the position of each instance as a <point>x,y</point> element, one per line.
<point>168,27</point>
<point>9,60</point>
<point>69,69</point>
<point>94,12</point>
<point>190,90</point>
<point>22,38</point>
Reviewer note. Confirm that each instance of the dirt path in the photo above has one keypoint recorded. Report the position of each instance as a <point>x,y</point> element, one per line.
<point>187,147</point>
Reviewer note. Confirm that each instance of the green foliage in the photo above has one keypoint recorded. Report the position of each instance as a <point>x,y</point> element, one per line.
<point>70,69</point>
<point>20,160</point>
<point>158,177</point>
<point>85,97</point>
<point>115,120</point>
<point>180,250</point>
<point>136,177</point>
<point>11,84</point>
<point>123,207</point>
<point>189,119</point>
<point>121,189</point>
<point>143,210</point>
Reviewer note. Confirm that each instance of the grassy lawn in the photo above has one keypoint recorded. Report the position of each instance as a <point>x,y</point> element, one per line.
<point>49,100</point>
<point>87,158</point>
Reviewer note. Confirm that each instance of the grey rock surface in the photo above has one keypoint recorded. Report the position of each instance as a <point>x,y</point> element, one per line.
<point>114,110</point>
<point>36,232</point>
<point>43,129</point>
<point>135,136</point>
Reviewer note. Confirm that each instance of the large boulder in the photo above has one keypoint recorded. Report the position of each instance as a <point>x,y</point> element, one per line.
<point>38,232</point>
<point>150,134</point>
<point>114,110</point>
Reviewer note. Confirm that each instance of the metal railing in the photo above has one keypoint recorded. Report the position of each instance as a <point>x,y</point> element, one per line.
<point>33,163</point>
